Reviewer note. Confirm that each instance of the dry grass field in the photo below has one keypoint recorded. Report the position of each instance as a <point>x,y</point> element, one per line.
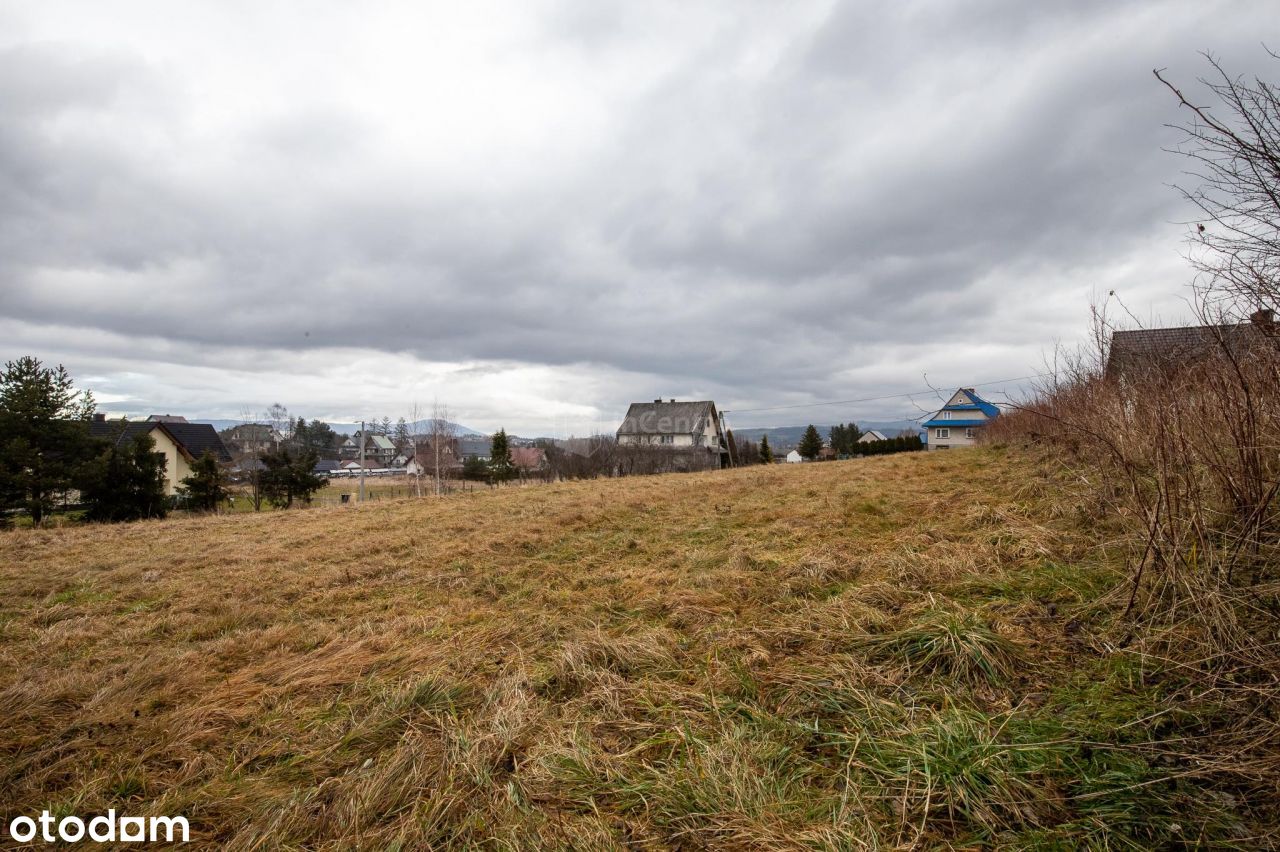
<point>914,650</point>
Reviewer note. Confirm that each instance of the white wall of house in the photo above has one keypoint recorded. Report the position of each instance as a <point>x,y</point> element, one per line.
<point>711,434</point>
<point>948,437</point>
<point>794,457</point>
<point>656,440</point>
<point>953,436</point>
<point>176,468</point>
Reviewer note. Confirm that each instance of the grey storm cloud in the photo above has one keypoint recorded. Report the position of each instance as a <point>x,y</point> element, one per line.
<point>742,199</point>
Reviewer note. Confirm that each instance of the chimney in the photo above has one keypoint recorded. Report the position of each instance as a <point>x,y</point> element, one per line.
<point>1264,319</point>
<point>658,400</point>
<point>99,417</point>
<point>673,399</point>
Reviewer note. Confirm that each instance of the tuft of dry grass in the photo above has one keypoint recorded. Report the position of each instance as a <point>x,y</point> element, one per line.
<point>891,652</point>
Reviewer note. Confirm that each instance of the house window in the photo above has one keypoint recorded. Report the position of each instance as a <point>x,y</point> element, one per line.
<point>943,447</point>
<point>944,433</point>
<point>666,439</point>
<point>969,433</point>
<point>946,415</point>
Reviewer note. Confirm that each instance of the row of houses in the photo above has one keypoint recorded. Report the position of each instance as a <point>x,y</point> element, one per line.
<point>419,455</point>
<point>693,432</point>
<point>182,442</point>
<point>697,429</point>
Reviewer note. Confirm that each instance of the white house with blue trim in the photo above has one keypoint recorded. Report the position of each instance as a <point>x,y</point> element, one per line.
<point>958,422</point>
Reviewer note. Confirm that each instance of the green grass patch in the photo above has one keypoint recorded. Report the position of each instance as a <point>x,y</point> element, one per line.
<point>959,645</point>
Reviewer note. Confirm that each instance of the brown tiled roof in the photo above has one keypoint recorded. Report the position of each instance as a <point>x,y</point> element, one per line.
<point>528,458</point>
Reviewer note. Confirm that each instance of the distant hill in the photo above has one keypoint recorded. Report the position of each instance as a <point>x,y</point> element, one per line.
<point>788,437</point>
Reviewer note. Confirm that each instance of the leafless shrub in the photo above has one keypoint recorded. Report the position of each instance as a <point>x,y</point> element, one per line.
<point>1183,442</point>
<point>1235,156</point>
<point>1184,447</point>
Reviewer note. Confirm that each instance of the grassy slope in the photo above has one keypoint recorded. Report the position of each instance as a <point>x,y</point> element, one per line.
<point>885,651</point>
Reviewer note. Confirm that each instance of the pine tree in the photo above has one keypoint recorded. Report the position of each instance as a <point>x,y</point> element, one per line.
<point>844,438</point>
<point>811,443</point>
<point>205,488</point>
<point>766,452</point>
<point>126,483</point>
<point>289,477</point>
<point>475,469</point>
<point>501,467</point>
<point>44,435</point>
<point>301,436</point>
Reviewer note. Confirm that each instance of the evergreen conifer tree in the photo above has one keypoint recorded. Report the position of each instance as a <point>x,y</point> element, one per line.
<point>475,469</point>
<point>837,438</point>
<point>126,483</point>
<point>289,477</point>
<point>501,467</point>
<point>205,488</point>
<point>44,435</point>
<point>811,443</point>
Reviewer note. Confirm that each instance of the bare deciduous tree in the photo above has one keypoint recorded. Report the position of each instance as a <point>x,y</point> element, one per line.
<point>443,436</point>
<point>1236,160</point>
<point>415,440</point>
<point>280,421</point>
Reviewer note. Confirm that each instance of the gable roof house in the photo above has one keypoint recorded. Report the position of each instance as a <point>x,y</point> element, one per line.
<point>871,435</point>
<point>251,439</point>
<point>1171,349</point>
<point>180,442</point>
<point>691,428</point>
<point>421,457</point>
<point>326,467</point>
<point>958,422</point>
<point>377,448</point>
<point>474,447</point>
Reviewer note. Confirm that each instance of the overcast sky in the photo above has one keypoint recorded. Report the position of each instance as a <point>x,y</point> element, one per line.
<point>537,212</point>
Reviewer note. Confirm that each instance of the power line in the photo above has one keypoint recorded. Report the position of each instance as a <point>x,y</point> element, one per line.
<point>873,398</point>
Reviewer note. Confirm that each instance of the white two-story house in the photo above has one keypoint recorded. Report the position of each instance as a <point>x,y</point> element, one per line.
<point>693,427</point>
<point>958,422</point>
